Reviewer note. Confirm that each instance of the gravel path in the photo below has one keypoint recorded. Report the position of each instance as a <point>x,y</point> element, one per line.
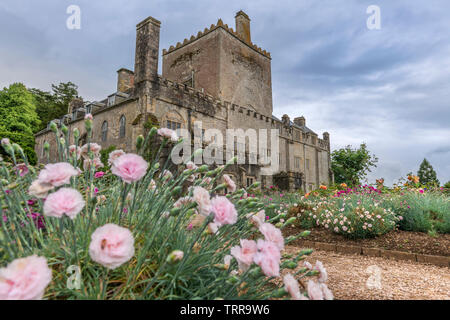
<point>399,280</point>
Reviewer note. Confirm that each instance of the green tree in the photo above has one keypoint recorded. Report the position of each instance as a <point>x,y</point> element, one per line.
<point>18,118</point>
<point>351,165</point>
<point>426,173</point>
<point>55,104</point>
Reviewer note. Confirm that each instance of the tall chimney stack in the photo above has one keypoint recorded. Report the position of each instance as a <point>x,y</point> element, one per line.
<point>300,121</point>
<point>243,26</point>
<point>125,79</point>
<point>147,50</point>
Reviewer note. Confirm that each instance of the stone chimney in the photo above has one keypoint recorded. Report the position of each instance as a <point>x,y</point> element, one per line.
<point>75,104</point>
<point>326,136</point>
<point>147,50</point>
<point>300,121</point>
<point>243,26</point>
<point>125,79</point>
<point>285,119</point>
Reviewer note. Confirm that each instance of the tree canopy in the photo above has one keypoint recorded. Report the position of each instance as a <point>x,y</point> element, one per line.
<point>351,165</point>
<point>55,104</point>
<point>426,173</point>
<point>18,118</point>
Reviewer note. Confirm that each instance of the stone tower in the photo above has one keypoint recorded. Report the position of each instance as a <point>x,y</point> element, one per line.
<point>225,64</point>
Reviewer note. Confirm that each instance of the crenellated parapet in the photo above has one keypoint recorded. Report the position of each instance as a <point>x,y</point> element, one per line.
<point>212,28</point>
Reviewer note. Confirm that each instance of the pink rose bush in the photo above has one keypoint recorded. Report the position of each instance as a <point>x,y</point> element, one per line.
<point>25,279</point>
<point>111,245</point>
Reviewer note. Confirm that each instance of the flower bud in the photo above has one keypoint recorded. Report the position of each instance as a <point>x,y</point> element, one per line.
<point>279,293</point>
<point>64,129</point>
<point>232,280</point>
<point>46,146</point>
<point>175,256</point>
<point>76,133</point>
<point>203,168</point>
<point>53,127</point>
<point>176,191</point>
<point>17,148</point>
<point>139,141</point>
<point>198,152</point>
<point>175,211</point>
<point>232,160</point>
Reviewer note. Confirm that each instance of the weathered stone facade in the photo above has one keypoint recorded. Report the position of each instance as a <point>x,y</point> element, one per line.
<point>218,77</point>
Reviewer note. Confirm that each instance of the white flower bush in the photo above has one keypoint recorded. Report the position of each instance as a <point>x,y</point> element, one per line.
<point>142,230</point>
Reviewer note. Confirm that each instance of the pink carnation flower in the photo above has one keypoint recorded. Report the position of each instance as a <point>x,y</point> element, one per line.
<point>39,190</point>
<point>76,149</point>
<point>111,245</point>
<point>5,141</point>
<point>168,133</point>
<point>114,155</point>
<point>244,254</point>
<point>258,218</point>
<point>96,162</point>
<point>57,174</point>
<point>190,165</point>
<point>93,147</point>
<point>25,279</point>
<point>291,286</point>
<point>272,234</point>
<point>230,183</point>
<point>88,116</point>
<point>323,276</point>
<point>268,258</point>
<point>99,174</point>
<point>224,211</point>
<point>314,291</point>
<point>130,167</point>
<point>201,197</point>
<point>64,201</point>
<point>21,169</point>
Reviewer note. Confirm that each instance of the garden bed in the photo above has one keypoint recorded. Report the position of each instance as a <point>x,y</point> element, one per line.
<point>413,242</point>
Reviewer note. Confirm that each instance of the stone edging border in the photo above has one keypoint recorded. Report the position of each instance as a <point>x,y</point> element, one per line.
<point>441,261</point>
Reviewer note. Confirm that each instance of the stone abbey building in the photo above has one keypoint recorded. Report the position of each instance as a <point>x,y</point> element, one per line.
<point>219,77</point>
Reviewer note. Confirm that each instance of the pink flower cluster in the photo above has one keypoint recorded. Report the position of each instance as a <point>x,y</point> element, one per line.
<point>53,175</point>
<point>265,253</point>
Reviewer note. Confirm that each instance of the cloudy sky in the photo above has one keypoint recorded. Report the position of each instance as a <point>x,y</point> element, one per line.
<point>389,88</point>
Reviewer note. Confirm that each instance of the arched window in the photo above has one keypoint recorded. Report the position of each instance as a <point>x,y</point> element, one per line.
<point>104,130</point>
<point>122,123</point>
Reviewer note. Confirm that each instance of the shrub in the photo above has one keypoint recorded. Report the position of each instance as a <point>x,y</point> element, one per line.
<point>423,212</point>
<point>135,234</point>
<point>353,215</point>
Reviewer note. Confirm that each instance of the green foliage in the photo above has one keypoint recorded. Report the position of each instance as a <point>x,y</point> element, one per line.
<point>423,212</point>
<point>18,118</point>
<point>104,154</point>
<point>426,174</point>
<point>355,216</point>
<point>26,141</point>
<point>55,104</point>
<point>351,165</point>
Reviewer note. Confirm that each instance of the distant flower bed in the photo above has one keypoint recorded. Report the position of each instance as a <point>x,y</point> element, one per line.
<point>367,211</point>
<point>142,230</point>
